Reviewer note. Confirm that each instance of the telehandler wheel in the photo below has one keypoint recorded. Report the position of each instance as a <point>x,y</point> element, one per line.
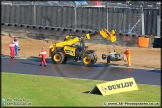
<point>88,60</point>
<point>58,57</point>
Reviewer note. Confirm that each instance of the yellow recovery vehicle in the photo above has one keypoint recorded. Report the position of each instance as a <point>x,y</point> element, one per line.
<point>73,46</point>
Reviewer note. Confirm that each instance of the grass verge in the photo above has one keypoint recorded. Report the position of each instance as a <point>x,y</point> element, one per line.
<point>55,91</point>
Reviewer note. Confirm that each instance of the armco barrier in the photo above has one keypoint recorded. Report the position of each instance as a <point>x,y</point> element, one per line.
<point>129,41</point>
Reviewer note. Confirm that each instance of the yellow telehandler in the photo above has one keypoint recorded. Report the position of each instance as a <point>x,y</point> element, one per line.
<point>73,46</point>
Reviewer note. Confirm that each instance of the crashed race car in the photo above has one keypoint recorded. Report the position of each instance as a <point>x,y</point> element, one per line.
<point>114,56</point>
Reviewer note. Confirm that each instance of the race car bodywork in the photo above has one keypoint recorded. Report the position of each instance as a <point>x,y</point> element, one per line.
<point>114,56</point>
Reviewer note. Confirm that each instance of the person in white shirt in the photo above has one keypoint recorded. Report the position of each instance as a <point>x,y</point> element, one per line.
<point>15,41</point>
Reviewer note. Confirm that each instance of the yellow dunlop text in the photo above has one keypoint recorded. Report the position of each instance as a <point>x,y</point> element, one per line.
<point>117,86</point>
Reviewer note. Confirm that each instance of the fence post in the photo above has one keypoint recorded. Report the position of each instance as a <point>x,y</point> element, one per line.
<point>158,25</point>
<point>33,3</point>
<point>75,13</point>
<point>107,16</point>
<point>143,25</point>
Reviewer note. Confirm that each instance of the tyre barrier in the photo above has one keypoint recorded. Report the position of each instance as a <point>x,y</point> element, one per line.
<point>40,27</point>
<point>15,25</point>
<point>90,31</point>
<point>70,30</point>
<point>122,34</point>
<point>53,28</point>
<point>78,30</point>
<point>83,31</point>
<point>49,27</point>
<point>64,29</point>
<point>9,25</point>
<point>58,28</point>
<point>46,27</point>
<point>127,34</point>
<point>134,35</point>
<point>22,25</point>
<point>6,24</point>
<point>95,31</point>
<point>34,27</point>
<point>27,26</point>
<point>121,40</point>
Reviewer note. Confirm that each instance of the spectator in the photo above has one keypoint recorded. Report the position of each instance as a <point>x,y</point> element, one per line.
<point>16,47</point>
<point>12,51</point>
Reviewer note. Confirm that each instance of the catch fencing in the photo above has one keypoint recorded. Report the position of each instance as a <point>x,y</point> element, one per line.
<point>123,20</point>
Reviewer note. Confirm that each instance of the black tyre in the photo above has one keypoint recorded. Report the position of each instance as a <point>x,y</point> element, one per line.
<point>95,57</point>
<point>76,59</point>
<point>58,57</point>
<point>103,56</point>
<point>65,59</point>
<point>88,60</point>
<point>108,59</point>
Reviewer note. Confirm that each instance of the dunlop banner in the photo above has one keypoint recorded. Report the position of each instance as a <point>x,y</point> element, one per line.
<point>117,86</point>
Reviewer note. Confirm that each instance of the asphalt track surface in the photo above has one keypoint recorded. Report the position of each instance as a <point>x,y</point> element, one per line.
<point>77,70</point>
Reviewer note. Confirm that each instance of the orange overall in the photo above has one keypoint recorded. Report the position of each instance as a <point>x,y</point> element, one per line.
<point>127,53</point>
<point>12,52</point>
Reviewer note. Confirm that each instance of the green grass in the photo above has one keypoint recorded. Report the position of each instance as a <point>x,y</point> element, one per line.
<point>55,91</point>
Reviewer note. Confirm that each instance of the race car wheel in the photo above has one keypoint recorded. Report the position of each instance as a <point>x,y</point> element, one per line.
<point>103,56</point>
